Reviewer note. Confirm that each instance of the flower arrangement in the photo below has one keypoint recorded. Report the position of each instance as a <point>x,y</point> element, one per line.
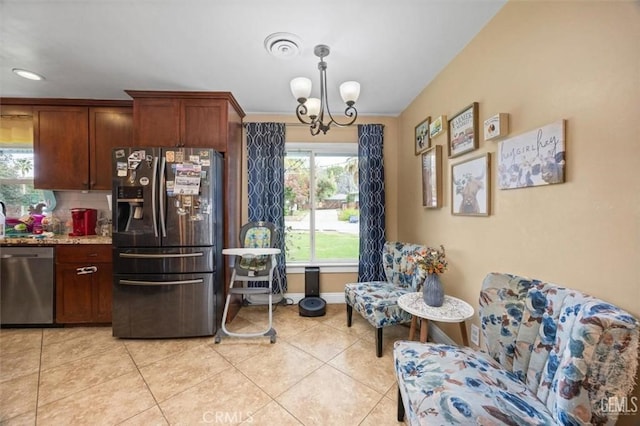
<point>432,260</point>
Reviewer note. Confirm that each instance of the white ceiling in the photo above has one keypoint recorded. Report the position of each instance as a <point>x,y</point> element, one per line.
<point>96,49</point>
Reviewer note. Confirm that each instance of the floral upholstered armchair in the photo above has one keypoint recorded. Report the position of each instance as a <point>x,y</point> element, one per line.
<point>377,301</point>
<point>553,356</point>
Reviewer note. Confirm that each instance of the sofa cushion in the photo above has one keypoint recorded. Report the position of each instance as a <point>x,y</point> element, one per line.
<point>377,301</point>
<point>444,385</point>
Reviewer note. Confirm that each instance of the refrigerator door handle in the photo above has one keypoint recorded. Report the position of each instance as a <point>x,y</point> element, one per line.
<point>163,192</point>
<point>160,256</point>
<point>156,283</point>
<point>154,190</point>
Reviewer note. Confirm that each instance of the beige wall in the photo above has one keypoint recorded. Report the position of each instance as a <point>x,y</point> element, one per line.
<point>334,282</point>
<point>541,62</point>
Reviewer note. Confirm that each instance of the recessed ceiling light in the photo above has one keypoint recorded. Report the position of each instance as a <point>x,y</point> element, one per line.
<point>28,74</point>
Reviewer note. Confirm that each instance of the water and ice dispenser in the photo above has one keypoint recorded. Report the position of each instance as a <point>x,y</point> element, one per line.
<point>129,206</point>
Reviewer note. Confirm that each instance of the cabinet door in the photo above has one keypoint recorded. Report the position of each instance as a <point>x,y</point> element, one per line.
<point>74,294</point>
<point>84,282</point>
<point>109,128</point>
<point>156,122</point>
<point>61,148</point>
<point>201,123</point>
<point>103,286</point>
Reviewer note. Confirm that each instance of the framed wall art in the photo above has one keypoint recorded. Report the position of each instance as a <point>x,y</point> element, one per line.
<point>437,126</point>
<point>462,135</point>
<point>422,140</point>
<point>533,158</point>
<point>470,187</point>
<point>496,127</point>
<point>432,177</point>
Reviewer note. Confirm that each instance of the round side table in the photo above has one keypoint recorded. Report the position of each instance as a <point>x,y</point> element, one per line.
<point>452,310</point>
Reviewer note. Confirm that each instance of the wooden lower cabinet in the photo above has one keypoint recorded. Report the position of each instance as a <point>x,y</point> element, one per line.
<point>84,282</point>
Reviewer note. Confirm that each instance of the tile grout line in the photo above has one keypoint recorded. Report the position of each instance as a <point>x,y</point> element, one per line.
<point>148,389</point>
<point>39,375</point>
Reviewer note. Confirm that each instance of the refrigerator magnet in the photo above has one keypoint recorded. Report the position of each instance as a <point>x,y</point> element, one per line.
<point>170,156</point>
<point>121,167</point>
<point>144,181</point>
<point>194,159</point>
<point>179,156</point>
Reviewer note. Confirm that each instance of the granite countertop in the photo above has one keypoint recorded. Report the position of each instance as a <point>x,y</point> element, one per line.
<point>55,239</point>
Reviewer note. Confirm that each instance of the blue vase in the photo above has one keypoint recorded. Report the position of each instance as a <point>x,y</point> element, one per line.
<point>432,291</point>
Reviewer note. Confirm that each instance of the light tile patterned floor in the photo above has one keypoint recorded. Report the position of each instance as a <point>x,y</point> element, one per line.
<point>319,372</point>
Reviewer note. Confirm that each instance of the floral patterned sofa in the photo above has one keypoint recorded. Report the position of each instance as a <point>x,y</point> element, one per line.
<point>554,356</point>
<point>377,301</point>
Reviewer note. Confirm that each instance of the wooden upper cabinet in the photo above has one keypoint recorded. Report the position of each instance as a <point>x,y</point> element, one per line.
<point>61,148</point>
<point>156,122</point>
<point>188,119</point>
<point>72,145</point>
<point>201,123</point>
<point>108,128</point>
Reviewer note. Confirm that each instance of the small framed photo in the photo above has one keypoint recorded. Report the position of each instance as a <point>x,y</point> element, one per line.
<point>496,127</point>
<point>422,140</point>
<point>470,187</point>
<point>432,177</point>
<point>462,136</point>
<point>437,126</point>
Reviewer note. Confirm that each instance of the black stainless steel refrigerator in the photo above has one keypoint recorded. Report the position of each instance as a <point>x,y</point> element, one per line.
<point>167,242</point>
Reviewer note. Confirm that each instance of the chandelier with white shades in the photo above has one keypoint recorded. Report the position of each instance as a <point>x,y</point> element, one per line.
<point>312,110</point>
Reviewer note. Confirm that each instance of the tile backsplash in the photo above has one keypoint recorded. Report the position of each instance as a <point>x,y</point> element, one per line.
<point>67,200</point>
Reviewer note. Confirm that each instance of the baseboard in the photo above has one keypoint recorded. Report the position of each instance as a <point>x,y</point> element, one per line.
<point>330,298</point>
<point>438,336</point>
<point>435,332</point>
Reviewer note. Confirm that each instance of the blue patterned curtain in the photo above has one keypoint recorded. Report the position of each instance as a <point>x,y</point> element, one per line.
<point>372,200</point>
<point>265,161</point>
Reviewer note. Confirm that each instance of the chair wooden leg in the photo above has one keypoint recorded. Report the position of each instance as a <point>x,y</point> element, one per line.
<point>349,314</point>
<point>379,342</point>
<point>400,407</point>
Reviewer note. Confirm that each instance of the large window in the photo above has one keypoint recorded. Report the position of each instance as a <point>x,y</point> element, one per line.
<point>321,203</point>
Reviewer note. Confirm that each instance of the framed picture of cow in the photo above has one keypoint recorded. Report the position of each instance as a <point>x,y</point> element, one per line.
<point>422,140</point>
<point>432,177</point>
<point>462,136</point>
<point>471,187</point>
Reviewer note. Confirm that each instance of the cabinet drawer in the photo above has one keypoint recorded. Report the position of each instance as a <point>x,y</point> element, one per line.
<point>83,253</point>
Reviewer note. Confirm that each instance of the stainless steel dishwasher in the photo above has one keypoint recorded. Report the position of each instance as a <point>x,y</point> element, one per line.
<point>26,285</point>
